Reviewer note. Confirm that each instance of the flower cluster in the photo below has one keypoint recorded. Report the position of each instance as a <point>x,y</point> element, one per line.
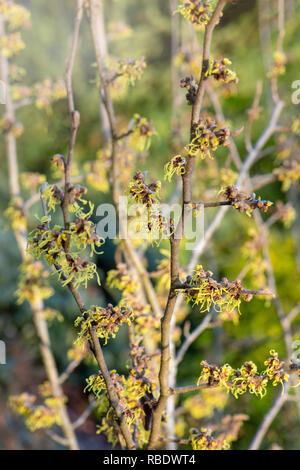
<point>7,126</point>
<point>256,265</point>
<point>143,371</point>
<point>120,74</point>
<point>160,227</point>
<point>140,360</point>
<point>37,416</point>
<point>11,44</point>
<point>244,202</point>
<point>201,289</point>
<point>279,63</point>
<point>77,270</point>
<point>230,426</point>
<point>132,393</point>
<point>175,166</point>
<point>50,243</point>
<point>50,314</point>
<point>121,279</point>
<point>218,69</point>
<point>285,213</point>
<point>75,194</point>
<point>288,173</point>
<point>203,440</point>
<point>32,181</point>
<point>33,284</point>
<point>141,133</point>
<point>144,193</point>
<point>246,378</point>
<point>83,235</point>
<point>206,138</point>
<point>58,163</point>
<point>42,94</point>
<point>148,221</point>
<point>213,375</point>
<point>197,12</point>
<point>77,353</point>
<point>16,15</point>
<point>204,404</point>
<point>53,196</point>
<point>275,369</point>
<point>295,127</point>
<point>105,321</point>
<point>144,320</point>
<point>56,244</point>
<point>227,176</point>
<point>20,92</point>
<point>131,70</point>
<point>16,74</point>
<point>47,92</point>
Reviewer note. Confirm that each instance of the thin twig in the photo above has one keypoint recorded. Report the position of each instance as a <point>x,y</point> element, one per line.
<point>96,17</point>
<point>70,368</point>
<point>84,416</point>
<point>74,114</point>
<point>267,421</point>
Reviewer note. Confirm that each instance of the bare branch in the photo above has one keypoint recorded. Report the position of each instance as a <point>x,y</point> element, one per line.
<point>111,391</point>
<point>267,421</point>
<point>206,56</point>
<point>70,368</point>
<point>56,438</point>
<point>294,313</point>
<point>192,337</point>
<point>84,416</point>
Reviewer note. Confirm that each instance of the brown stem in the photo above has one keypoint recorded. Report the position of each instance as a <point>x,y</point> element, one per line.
<point>84,416</point>
<point>75,115</point>
<point>206,56</point>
